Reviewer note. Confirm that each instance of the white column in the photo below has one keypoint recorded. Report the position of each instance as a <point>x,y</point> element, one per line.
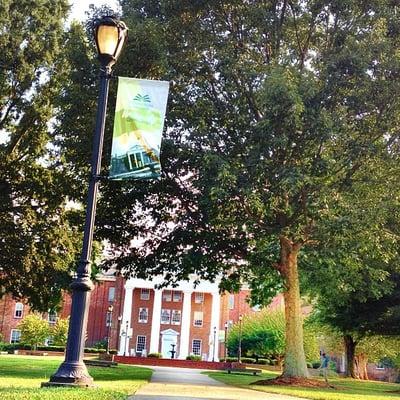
<point>155,322</point>
<point>126,321</point>
<point>185,325</point>
<point>215,315</point>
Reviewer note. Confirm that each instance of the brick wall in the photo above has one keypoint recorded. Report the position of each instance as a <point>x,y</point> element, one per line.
<point>164,362</point>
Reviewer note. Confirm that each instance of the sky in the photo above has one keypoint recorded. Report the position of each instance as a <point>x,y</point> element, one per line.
<point>80,6</point>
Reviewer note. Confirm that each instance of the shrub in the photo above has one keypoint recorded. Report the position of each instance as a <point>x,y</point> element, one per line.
<point>309,365</point>
<point>154,355</point>
<point>51,348</point>
<point>263,361</point>
<point>193,358</point>
<point>316,364</point>
<point>247,360</point>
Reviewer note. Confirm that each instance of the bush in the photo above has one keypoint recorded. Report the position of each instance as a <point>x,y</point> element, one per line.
<point>316,364</point>
<point>51,348</point>
<point>247,360</point>
<point>154,355</point>
<point>101,344</point>
<point>309,365</point>
<point>263,361</point>
<point>193,358</point>
<point>94,350</point>
<point>231,359</point>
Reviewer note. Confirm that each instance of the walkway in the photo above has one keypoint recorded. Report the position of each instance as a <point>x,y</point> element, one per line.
<point>188,384</point>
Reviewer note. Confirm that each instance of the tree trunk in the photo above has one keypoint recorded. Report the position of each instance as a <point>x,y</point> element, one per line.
<point>361,362</point>
<point>350,346</point>
<point>295,360</point>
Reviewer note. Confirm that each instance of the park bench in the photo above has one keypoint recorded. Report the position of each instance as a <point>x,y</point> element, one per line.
<point>244,370</point>
<point>100,363</point>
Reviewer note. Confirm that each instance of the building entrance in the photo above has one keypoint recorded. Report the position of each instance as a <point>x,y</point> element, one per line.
<point>169,342</point>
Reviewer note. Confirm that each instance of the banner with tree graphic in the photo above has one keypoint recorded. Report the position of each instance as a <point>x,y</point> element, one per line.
<point>138,126</point>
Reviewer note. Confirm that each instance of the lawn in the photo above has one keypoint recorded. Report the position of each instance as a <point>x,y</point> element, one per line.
<point>21,376</point>
<point>345,389</point>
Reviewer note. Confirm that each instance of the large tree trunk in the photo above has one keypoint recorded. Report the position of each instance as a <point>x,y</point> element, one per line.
<point>295,360</point>
<point>350,346</point>
<point>361,362</point>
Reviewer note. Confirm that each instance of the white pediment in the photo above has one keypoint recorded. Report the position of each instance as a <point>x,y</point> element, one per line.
<point>170,332</point>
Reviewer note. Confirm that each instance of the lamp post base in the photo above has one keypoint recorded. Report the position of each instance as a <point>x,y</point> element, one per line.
<point>70,374</point>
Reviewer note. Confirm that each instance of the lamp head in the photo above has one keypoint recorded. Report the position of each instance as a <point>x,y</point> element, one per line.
<point>110,35</point>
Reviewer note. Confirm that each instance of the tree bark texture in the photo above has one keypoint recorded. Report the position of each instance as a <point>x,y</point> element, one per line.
<point>295,360</point>
<point>350,346</point>
<point>361,362</point>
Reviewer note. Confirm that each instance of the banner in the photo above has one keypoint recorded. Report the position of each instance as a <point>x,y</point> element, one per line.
<point>138,126</point>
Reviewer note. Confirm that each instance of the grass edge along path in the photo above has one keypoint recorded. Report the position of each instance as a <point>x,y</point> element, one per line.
<point>345,389</point>
<point>21,376</point>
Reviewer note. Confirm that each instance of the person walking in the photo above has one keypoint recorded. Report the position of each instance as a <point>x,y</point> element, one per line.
<point>325,366</point>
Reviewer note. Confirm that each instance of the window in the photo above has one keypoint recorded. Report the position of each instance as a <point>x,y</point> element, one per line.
<point>177,296</point>
<point>19,310</point>
<point>143,315</point>
<point>165,316</point>
<point>198,297</point>
<point>166,295</point>
<point>198,318</point>
<point>144,294</point>
<point>111,294</point>
<point>196,347</point>
<point>176,317</point>
<point>231,301</point>
<point>52,317</point>
<point>140,344</point>
<point>15,336</point>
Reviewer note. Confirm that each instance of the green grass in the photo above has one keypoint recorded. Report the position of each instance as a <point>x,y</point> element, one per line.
<point>21,376</point>
<point>345,389</point>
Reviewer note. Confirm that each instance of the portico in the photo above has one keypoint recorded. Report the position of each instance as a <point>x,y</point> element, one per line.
<point>184,316</point>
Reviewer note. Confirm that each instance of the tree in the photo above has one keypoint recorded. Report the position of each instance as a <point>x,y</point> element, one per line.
<point>38,242</point>
<point>263,334</point>
<point>274,107</point>
<point>34,330</point>
<point>59,332</point>
<point>355,283</point>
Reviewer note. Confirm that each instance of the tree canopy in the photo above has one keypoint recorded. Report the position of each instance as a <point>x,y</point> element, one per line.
<point>37,241</point>
<point>276,109</point>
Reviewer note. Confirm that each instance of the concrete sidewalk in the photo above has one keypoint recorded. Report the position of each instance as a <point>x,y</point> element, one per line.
<point>188,384</point>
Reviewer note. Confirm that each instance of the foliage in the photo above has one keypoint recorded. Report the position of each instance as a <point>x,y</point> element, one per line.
<point>20,379</point>
<point>34,330</point>
<point>154,355</point>
<point>263,334</point>
<point>193,357</point>
<point>276,109</point>
<point>59,332</point>
<point>38,243</point>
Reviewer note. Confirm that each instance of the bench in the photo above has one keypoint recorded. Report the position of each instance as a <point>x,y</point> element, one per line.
<point>251,371</point>
<point>100,363</point>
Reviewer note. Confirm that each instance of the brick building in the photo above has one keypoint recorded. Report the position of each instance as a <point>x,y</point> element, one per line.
<point>146,320</point>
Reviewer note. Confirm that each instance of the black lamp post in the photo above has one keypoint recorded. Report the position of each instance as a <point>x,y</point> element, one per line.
<point>110,35</point>
<point>240,339</point>
<point>109,325</point>
<point>225,340</point>
<point>126,338</point>
<point>214,338</point>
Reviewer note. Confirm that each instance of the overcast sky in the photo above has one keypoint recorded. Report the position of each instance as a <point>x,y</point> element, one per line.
<point>80,6</point>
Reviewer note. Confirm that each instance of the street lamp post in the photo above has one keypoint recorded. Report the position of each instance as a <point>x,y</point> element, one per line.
<point>126,337</point>
<point>240,339</point>
<point>109,325</point>
<point>225,341</point>
<point>110,35</point>
<point>214,339</point>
